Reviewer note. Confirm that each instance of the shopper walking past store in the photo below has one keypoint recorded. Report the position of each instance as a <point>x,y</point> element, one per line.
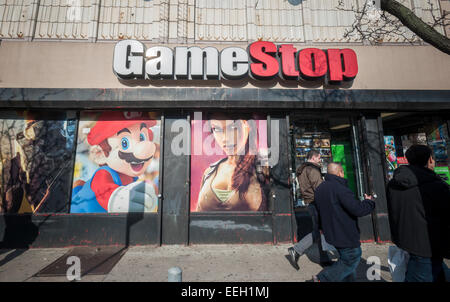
<point>338,212</point>
<point>418,205</point>
<point>309,178</point>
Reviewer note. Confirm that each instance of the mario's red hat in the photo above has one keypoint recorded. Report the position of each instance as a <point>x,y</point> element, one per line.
<point>111,122</point>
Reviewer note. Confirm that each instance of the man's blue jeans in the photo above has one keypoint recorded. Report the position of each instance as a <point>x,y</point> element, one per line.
<point>345,268</point>
<point>421,269</point>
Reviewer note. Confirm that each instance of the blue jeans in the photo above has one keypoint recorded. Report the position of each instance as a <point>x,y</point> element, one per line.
<point>421,269</point>
<point>345,268</point>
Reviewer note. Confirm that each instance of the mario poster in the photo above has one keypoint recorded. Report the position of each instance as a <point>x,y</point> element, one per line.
<point>117,163</point>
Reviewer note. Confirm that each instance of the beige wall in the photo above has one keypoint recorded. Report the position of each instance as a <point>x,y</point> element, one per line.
<point>89,65</point>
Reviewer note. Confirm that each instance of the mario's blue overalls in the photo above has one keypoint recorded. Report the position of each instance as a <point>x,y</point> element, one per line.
<point>84,199</point>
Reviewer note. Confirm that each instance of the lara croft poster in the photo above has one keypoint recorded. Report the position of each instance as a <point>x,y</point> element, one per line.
<point>229,168</point>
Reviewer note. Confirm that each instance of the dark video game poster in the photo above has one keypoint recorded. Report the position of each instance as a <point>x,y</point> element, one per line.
<point>36,153</point>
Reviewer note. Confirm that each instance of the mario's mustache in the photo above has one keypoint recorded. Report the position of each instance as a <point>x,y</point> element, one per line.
<point>130,158</point>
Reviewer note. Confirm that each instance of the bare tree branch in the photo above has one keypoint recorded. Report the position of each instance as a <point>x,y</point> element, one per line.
<point>437,20</point>
<point>395,22</point>
<point>417,25</point>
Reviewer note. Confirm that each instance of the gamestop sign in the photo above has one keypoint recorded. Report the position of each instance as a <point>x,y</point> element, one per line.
<point>261,60</point>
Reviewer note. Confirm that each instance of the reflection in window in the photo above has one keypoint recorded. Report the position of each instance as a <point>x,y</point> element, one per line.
<point>36,161</point>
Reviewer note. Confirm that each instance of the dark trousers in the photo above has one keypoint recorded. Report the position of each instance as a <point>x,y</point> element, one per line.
<point>312,210</point>
<point>422,269</point>
<point>345,268</point>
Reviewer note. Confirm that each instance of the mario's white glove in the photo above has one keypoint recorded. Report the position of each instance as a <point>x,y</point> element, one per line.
<point>138,196</point>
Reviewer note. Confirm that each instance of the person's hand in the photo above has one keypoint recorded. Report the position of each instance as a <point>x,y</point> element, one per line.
<point>370,197</point>
<point>138,196</point>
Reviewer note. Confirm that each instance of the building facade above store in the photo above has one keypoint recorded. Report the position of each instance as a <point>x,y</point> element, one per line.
<point>192,21</point>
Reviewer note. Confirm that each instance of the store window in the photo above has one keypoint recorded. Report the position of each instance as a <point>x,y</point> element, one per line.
<point>330,135</point>
<point>36,150</point>
<point>403,129</point>
<point>117,162</point>
<point>229,167</point>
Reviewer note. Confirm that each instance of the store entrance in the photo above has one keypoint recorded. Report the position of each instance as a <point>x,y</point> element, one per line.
<point>401,130</point>
<point>335,137</point>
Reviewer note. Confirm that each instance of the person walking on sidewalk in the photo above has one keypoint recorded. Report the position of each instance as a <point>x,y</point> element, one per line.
<point>339,211</point>
<point>418,207</point>
<point>309,178</point>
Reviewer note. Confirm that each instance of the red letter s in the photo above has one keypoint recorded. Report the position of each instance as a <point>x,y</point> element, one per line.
<point>263,52</point>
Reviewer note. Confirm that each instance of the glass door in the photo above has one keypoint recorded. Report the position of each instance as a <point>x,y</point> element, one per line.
<point>336,138</point>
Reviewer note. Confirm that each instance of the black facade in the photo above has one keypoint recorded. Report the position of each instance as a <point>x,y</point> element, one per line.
<point>174,223</point>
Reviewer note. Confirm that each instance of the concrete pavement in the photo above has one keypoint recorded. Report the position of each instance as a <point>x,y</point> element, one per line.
<point>201,263</point>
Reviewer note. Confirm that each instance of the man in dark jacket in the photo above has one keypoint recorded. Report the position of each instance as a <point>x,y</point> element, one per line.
<point>339,211</point>
<point>309,177</point>
<point>418,206</point>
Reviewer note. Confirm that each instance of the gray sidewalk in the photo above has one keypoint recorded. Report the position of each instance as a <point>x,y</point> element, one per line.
<point>201,263</point>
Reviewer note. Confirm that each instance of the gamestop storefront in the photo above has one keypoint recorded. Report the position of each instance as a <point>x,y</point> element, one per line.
<point>129,143</point>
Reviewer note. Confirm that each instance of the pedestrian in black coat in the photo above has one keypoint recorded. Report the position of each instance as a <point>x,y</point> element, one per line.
<point>339,211</point>
<point>419,208</point>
